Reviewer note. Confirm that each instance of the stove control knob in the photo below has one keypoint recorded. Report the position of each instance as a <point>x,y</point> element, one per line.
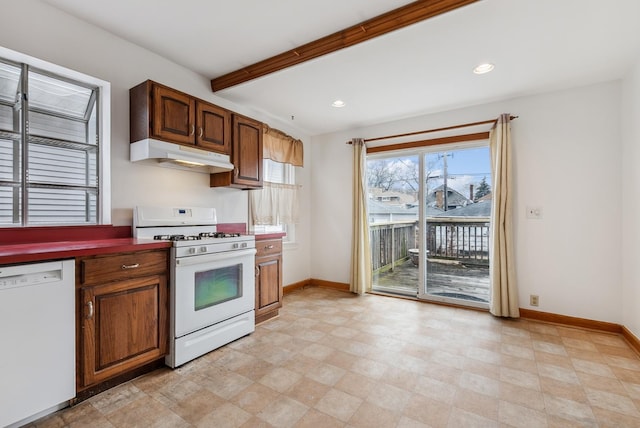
<point>192,250</point>
<point>203,249</point>
<point>244,245</point>
<point>234,246</point>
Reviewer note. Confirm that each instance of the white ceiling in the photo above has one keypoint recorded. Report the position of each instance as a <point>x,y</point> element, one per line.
<point>536,45</point>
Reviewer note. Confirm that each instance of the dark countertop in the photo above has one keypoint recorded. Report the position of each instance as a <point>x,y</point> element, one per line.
<point>34,244</point>
<point>33,252</point>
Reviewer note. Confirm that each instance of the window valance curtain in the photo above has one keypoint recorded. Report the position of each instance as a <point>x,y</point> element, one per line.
<point>280,147</point>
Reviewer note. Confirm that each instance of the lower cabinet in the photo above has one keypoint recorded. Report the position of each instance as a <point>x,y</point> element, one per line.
<point>122,314</point>
<point>268,278</point>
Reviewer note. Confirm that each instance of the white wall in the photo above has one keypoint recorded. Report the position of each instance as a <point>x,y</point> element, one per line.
<point>630,202</point>
<point>35,28</point>
<point>567,160</point>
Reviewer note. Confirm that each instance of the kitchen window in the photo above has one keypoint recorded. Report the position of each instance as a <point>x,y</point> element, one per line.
<point>274,208</point>
<point>54,150</point>
<point>281,178</point>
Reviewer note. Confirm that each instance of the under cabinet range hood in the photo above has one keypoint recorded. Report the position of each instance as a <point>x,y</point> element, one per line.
<point>161,153</point>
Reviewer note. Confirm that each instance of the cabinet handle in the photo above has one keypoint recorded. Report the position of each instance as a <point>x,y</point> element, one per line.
<point>131,266</point>
<point>257,271</point>
<point>193,129</point>
<point>235,172</point>
<point>201,132</point>
<point>90,305</point>
<point>268,247</point>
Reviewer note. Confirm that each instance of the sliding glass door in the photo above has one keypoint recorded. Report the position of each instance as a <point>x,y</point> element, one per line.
<point>447,190</point>
<point>457,199</point>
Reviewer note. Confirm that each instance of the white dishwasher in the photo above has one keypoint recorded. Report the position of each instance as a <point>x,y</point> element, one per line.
<point>37,333</point>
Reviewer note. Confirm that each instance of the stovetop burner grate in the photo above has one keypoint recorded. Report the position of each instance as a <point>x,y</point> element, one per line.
<point>201,235</point>
<point>218,235</point>
<point>176,237</point>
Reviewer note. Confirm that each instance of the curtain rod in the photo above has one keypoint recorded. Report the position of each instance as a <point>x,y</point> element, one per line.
<point>464,125</point>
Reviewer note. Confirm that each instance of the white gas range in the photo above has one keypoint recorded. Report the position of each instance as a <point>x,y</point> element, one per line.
<point>212,282</point>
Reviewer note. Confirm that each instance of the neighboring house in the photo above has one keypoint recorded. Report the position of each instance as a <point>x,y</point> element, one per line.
<point>380,212</point>
<point>455,199</point>
<point>482,208</point>
<point>391,197</point>
<point>389,205</point>
<point>385,206</point>
<point>486,197</point>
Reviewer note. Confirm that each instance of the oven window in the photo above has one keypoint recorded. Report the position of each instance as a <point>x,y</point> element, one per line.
<point>217,285</point>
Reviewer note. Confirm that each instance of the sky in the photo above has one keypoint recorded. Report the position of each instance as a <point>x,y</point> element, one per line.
<point>464,167</point>
<point>470,161</point>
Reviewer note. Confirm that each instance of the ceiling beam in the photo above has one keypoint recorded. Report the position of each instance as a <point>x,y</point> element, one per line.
<point>374,27</point>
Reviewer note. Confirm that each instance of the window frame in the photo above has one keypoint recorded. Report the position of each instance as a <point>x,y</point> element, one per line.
<point>103,110</point>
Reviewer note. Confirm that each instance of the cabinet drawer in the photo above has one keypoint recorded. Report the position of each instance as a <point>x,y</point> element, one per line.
<point>268,247</point>
<point>98,270</point>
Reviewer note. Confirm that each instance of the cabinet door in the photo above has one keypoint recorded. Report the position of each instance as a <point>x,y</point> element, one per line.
<point>246,154</point>
<point>213,125</point>
<point>247,151</point>
<point>173,115</point>
<point>268,284</point>
<point>124,325</point>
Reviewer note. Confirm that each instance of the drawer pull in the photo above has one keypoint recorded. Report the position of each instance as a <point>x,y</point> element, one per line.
<point>130,266</point>
<point>268,247</point>
<point>90,305</point>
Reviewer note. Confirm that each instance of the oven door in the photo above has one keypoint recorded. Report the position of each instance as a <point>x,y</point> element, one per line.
<point>211,288</point>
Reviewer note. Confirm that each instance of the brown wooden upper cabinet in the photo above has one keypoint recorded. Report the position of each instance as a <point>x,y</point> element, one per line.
<point>158,111</point>
<point>246,155</point>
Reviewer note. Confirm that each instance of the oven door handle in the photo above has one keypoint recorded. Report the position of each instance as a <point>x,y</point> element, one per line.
<point>215,257</point>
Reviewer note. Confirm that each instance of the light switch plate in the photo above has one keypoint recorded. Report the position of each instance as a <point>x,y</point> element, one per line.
<point>534,212</point>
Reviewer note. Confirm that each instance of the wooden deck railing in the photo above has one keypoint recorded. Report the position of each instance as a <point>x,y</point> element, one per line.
<point>390,243</point>
<point>462,239</point>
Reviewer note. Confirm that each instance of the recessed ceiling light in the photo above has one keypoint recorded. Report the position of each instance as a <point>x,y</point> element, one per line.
<point>484,68</point>
<point>338,103</point>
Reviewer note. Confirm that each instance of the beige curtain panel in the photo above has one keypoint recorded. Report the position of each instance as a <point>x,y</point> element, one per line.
<point>504,291</point>
<point>280,147</point>
<point>274,204</point>
<point>360,250</point>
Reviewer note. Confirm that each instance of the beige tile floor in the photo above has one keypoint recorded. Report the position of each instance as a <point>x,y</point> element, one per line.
<point>335,360</point>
